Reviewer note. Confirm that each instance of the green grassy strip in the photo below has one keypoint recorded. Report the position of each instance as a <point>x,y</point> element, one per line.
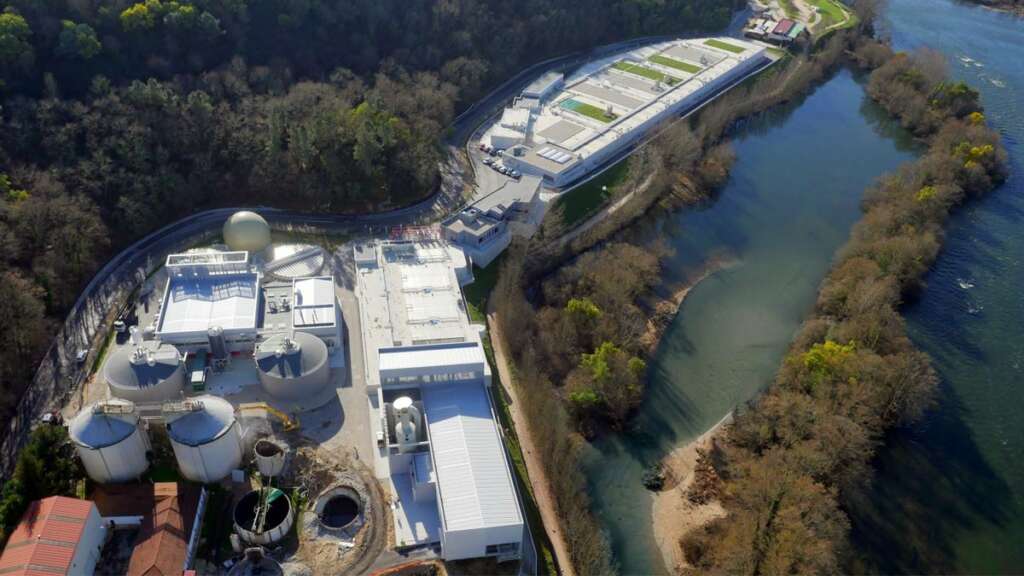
<point>645,72</point>
<point>589,110</point>
<point>673,63</point>
<point>724,46</point>
<point>789,8</point>
<point>476,293</point>
<point>583,201</point>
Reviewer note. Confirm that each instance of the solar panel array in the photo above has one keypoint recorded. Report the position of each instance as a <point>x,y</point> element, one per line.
<point>554,154</point>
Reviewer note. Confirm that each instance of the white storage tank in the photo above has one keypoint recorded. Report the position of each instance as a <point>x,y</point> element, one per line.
<point>110,441</point>
<point>247,231</point>
<point>145,371</point>
<point>270,457</point>
<point>206,437</point>
<point>293,366</point>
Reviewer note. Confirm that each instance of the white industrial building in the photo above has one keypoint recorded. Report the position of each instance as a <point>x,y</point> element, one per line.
<point>485,228</point>
<point>439,447</point>
<point>576,125</point>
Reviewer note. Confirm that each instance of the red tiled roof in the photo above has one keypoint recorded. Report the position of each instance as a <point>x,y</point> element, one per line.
<point>163,543</point>
<point>44,541</point>
<point>784,26</point>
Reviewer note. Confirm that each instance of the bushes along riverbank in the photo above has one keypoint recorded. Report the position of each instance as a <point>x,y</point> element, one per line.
<point>791,459</point>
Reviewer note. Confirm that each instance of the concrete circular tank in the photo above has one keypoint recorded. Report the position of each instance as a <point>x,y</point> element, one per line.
<point>145,372</point>
<point>206,437</point>
<point>263,516</point>
<point>247,231</point>
<point>293,366</point>
<point>110,441</point>
<point>338,508</point>
<point>269,457</point>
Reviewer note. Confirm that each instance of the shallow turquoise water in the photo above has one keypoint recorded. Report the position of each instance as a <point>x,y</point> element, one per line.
<point>792,196</point>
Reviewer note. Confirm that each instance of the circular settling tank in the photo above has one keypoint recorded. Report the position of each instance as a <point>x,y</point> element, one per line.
<point>339,508</point>
<point>263,516</point>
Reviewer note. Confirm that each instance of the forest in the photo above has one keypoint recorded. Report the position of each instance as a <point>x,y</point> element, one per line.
<point>120,116</point>
<point>795,456</point>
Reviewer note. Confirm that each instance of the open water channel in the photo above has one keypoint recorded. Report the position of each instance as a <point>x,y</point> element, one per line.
<point>949,492</point>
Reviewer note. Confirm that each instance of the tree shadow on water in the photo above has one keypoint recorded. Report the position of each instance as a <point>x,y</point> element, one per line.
<point>932,484</point>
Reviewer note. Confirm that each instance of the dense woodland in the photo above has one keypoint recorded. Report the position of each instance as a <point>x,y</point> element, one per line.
<point>793,458</point>
<point>119,117</point>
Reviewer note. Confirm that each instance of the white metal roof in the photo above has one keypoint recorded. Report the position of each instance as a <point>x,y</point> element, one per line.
<point>194,304</point>
<point>313,302</point>
<point>473,478</point>
<point>456,357</point>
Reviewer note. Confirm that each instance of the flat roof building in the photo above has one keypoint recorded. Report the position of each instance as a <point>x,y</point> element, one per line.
<point>438,444</point>
<point>205,290</point>
<point>585,121</point>
<point>485,228</point>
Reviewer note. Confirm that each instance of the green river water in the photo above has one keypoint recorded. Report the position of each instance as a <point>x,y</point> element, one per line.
<point>948,497</point>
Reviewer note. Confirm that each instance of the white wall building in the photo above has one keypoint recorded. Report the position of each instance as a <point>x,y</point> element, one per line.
<point>591,118</point>
<point>439,448</point>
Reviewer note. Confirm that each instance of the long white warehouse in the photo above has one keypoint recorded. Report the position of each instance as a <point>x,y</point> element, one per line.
<point>601,112</point>
<point>439,449</point>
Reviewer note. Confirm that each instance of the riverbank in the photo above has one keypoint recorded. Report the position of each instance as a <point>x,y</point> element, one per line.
<point>793,460</point>
<point>674,515</point>
<point>661,311</point>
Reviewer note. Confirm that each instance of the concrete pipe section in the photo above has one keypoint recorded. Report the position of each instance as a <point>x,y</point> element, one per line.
<point>263,517</point>
<point>269,457</point>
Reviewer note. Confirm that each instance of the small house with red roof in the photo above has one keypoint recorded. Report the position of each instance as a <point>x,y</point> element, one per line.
<point>57,535</point>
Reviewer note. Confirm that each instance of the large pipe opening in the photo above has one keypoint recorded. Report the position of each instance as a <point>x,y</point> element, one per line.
<point>249,507</point>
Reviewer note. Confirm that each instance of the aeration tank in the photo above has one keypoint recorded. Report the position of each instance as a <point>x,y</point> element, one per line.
<point>110,441</point>
<point>206,437</point>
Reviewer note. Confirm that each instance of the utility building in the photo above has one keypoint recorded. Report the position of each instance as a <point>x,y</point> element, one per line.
<point>439,447</point>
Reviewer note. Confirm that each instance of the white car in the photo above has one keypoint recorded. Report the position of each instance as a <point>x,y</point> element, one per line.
<point>488,161</point>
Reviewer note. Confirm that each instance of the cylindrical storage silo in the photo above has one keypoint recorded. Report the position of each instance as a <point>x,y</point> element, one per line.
<point>269,457</point>
<point>206,437</point>
<point>110,441</point>
<point>218,344</point>
<point>293,366</point>
<point>263,516</point>
<point>145,372</point>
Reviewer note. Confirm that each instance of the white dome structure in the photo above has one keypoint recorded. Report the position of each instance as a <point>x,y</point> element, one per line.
<point>206,437</point>
<point>110,442</point>
<point>247,231</point>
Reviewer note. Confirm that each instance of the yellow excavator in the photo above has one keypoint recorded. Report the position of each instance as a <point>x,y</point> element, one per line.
<point>288,423</point>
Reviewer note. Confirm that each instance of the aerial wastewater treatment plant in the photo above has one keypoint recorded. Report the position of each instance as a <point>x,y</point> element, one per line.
<point>281,407</point>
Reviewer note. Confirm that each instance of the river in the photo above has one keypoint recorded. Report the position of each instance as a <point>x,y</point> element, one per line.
<point>792,196</point>
<point>949,495</point>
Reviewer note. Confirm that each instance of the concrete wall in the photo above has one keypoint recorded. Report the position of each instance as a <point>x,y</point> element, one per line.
<point>87,552</point>
<point>473,543</point>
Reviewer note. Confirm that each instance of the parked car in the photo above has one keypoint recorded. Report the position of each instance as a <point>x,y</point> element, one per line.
<point>483,147</point>
<point>81,354</point>
<point>492,152</point>
<point>488,161</point>
<point>515,175</point>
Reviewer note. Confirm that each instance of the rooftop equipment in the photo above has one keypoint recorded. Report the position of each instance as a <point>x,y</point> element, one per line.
<point>408,423</point>
<point>110,441</point>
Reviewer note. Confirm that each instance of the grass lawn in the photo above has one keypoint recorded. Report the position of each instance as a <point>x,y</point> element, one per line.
<point>714,43</point>
<point>673,63</point>
<point>789,8</point>
<point>588,110</point>
<point>645,72</point>
<point>583,201</point>
<point>476,293</point>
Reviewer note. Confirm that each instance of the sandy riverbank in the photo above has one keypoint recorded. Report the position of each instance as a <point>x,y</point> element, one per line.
<point>673,514</point>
